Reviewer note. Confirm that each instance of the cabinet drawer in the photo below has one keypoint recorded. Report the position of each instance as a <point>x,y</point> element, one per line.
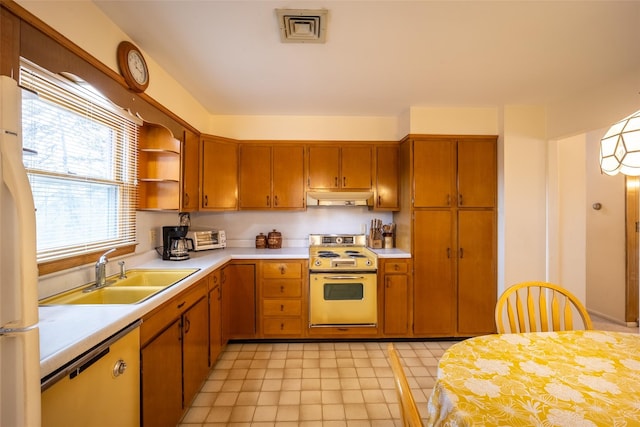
<point>281,307</point>
<point>282,326</point>
<point>156,321</point>
<point>282,270</point>
<point>281,288</point>
<point>396,267</point>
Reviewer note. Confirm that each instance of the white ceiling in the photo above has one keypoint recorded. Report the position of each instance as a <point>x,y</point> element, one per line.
<point>382,57</point>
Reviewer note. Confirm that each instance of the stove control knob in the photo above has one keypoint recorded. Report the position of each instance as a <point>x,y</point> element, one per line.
<point>339,240</point>
<point>369,263</point>
<point>318,263</point>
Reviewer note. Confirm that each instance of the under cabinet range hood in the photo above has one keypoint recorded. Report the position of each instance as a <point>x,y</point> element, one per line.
<point>339,198</point>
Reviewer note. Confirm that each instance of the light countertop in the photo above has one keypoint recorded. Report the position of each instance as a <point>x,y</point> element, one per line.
<point>67,331</point>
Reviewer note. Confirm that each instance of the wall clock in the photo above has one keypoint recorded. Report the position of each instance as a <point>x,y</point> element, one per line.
<point>133,66</point>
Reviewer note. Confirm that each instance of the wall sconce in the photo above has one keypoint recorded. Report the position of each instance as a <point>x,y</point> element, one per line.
<point>620,147</point>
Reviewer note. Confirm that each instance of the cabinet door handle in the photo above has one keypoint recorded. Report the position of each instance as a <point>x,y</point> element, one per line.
<point>344,181</point>
<point>459,199</point>
<point>281,289</point>
<point>448,252</point>
<point>281,307</point>
<point>206,200</point>
<point>283,270</point>
<point>336,181</point>
<point>267,200</point>
<point>187,325</point>
<point>379,200</point>
<point>461,253</point>
<point>448,199</point>
<point>282,326</point>
<point>181,304</point>
<point>275,200</point>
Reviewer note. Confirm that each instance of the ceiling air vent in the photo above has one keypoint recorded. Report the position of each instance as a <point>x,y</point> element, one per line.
<point>302,25</point>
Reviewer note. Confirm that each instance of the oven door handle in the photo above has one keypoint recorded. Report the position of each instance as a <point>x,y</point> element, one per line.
<point>342,277</point>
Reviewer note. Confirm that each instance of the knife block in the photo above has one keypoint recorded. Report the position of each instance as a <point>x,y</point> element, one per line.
<point>375,243</point>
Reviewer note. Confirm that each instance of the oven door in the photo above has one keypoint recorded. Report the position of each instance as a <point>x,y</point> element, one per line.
<point>343,299</point>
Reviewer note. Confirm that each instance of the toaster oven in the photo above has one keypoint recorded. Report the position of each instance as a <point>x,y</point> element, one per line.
<point>203,240</point>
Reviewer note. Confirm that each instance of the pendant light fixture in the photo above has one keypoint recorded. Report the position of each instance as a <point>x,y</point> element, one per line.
<point>620,147</point>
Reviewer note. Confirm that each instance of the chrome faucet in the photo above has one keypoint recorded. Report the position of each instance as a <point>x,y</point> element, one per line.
<point>101,269</point>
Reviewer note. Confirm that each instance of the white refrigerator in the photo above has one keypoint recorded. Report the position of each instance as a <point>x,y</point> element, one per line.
<point>19,335</point>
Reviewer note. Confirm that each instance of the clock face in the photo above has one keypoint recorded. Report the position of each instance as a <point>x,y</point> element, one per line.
<point>137,67</point>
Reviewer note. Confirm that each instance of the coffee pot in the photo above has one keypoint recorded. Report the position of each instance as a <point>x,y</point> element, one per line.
<point>174,243</point>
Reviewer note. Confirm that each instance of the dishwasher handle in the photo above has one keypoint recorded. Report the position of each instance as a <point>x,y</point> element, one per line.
<point>75,371</point>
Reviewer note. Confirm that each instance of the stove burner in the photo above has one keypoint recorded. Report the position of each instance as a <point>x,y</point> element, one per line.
<point>354,254</point>
<point>327,254</point>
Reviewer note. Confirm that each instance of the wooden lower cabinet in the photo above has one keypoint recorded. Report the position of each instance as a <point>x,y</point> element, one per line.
<point>455,272</point>
<point>174,355</point>
<point>195,349</point>
<point>395,275</point>
<point>238,301</point>
<point>282,292</point>
<point>477,272</point>
<point>161,378</point>
<point>215,316</point>
<point>434,294</point>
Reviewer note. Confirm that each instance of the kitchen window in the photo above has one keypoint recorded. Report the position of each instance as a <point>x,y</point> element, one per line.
<point>80,156</point>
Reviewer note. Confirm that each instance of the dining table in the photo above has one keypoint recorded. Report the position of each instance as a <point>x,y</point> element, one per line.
<point>565,378</point>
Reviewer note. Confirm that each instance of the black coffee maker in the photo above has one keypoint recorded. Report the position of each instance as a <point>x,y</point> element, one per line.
<point>174,243</point>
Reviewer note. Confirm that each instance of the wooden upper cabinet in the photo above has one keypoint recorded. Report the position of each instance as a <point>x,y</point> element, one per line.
<point>477,173</point>
<point>340,167</point>
<point>190,162</point>
<point>158,168</point>
<point>9,44</point>
<point>255,177</point>
<point>356,168</point>
<point>386,188</point>
<point>455,172</point>
<point>218,173</point>
<point>271,177</point>
<point>324,168</point>
<point>288,177</point>
<point>434,176</point>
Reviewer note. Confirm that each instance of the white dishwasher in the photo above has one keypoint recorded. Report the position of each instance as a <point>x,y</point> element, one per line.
<point>100,388</point>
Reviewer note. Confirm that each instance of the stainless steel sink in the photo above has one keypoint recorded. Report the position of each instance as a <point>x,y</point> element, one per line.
<point>138,286</point>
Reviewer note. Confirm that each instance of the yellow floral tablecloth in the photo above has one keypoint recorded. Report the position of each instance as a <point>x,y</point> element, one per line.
<point>573,379</point>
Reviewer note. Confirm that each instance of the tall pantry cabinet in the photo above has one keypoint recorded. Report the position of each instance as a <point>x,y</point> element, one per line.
<point>451,228</point>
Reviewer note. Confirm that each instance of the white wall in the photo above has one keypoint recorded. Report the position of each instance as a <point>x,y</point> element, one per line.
<point>524,198</point>
<point>450,120</point>
<point>329,128</point>
<point>567,199</point>
<point>242,227</point>
<point>605,239</point>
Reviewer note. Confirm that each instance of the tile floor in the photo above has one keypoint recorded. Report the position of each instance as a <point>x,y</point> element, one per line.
<point>316,384</point>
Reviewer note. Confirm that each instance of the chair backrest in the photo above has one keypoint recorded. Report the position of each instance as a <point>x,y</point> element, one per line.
<point>408,408</point>
<point>539,307</point>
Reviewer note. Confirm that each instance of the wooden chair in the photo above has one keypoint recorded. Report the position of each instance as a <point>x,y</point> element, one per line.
<point>539,307</point>
<point>408,408</point>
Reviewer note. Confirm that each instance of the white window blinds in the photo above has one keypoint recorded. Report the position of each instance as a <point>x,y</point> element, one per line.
<point>81,159</point>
